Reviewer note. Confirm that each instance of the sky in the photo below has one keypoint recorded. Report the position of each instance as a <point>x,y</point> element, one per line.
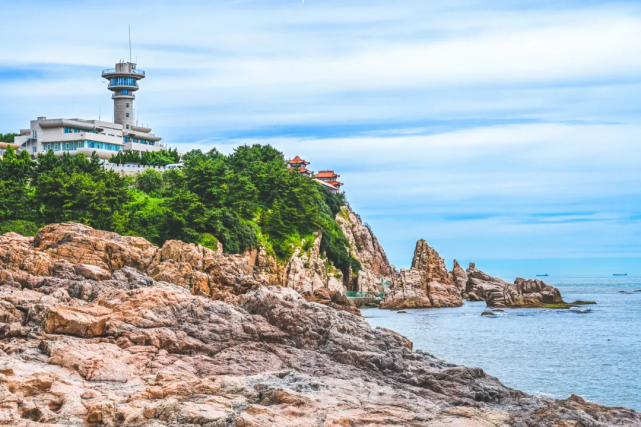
<point>502,132</point>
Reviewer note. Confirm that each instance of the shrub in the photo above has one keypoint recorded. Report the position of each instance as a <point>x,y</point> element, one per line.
<point>24,228</point>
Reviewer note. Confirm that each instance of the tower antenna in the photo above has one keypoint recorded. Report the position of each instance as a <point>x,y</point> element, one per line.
<point>129,42</point>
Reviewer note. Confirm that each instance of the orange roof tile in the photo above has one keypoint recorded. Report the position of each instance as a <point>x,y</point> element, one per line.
<point>327,174</point>
<point>297,161</point>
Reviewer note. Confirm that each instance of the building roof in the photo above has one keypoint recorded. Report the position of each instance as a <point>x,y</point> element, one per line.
<point>297,161</point>
<point>4,145</point>
<point>334,183</point>
<point>326,184</point>
<point>326,174</point>
<point>303,169</point>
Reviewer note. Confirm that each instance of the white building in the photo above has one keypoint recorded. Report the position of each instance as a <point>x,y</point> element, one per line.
<point>86,136</point>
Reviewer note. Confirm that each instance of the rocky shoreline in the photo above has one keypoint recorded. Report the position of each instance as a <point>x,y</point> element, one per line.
<point>101,329</point>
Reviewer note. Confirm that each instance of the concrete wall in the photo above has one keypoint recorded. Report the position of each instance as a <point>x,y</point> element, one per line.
<point>121,110</point>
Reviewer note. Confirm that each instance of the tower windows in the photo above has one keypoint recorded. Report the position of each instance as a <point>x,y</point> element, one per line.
<point>127,114</point>
<point>127,104</point>
<point>127,126</point>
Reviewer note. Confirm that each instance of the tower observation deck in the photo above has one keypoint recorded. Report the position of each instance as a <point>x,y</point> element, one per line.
<point>123,82</point>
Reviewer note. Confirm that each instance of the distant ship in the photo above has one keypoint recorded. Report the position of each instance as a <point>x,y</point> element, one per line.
<point>620,275</point>
<point>542,275</point>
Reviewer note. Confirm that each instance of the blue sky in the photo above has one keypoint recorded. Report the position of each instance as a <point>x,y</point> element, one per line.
<point>505,132</point>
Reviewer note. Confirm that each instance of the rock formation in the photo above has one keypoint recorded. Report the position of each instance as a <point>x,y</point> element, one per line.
<point>499,293</point>
<point>376,269</point>
<point>459,276</point>
<point>89,339</point>
<point>427,284</point>
<point>307,271</point>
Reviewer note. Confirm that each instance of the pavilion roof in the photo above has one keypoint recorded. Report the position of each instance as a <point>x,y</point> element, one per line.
<point>297,161</point>
<point>327,174</point>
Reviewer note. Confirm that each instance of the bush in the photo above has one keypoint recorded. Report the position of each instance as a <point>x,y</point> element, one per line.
<point>24,228</point>
<point>208,241</point>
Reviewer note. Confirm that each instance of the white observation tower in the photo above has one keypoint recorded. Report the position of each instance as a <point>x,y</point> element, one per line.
<point>123,82</point>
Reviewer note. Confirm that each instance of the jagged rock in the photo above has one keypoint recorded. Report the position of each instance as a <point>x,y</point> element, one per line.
<point>307,271</point>
<point>426,285</point>
<point>17,253</point>
<point>332,299</point>
<point>81,244</point>
<point>376,268</point>
<point>499,293</point>
<point>459,276</point>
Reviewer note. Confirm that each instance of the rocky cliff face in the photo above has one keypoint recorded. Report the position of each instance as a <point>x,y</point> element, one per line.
<point>499,293</point>
<point>427,284</point>
<point>307,271</point>
<point>364,246</point>
<point>89,339</point>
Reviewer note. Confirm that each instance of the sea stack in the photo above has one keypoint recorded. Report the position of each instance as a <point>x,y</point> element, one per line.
<point>426,285</point>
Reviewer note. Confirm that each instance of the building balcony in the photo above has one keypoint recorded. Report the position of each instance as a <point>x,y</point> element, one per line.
<point>113,71</point>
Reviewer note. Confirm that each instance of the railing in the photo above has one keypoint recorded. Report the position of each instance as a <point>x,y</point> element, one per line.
<point>113,71</point>
<point>361,294</point>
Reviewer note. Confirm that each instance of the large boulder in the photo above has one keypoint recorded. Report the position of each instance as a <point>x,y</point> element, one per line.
<point>81,244</point>
<point>499,293</point>
<point>426,285</point>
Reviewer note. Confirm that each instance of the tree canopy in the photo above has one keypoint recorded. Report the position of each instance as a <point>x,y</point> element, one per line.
<point>7,137</point>
<point>243,200</point>
<point>148,158</point>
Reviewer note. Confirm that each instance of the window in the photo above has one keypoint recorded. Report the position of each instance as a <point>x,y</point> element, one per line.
<point>127,114</point>
<point>127,126</point>
<point>127,104</point>
<point>35,134</point>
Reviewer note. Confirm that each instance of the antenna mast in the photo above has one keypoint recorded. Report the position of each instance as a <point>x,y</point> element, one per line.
<point>129,42</point>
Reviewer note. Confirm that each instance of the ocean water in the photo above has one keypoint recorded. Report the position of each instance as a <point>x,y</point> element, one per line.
<point>556,353</point>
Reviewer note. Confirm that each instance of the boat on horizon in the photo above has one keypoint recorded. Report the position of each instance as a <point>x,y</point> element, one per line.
<point>542,275</point>
<point>620,274</point>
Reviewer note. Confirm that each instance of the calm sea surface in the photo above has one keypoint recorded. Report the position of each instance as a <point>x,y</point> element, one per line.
<point>596,355</point>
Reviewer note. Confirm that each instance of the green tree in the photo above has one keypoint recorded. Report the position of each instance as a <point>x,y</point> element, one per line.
<point>150,180</point>
<point>8,137</point>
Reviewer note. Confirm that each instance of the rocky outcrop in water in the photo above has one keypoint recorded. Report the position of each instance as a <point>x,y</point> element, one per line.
<point>426,285</point>
<point>459,277</point>
<point>94,341</point>
<point>376,268</point>
<point>499,293</point>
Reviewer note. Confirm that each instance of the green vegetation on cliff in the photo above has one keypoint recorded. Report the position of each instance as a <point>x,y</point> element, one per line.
<point>240,200</point>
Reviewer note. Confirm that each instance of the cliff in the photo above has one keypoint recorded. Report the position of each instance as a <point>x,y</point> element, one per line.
<point>95,331</point>
<point>375,267</point>
<point>426,285</point>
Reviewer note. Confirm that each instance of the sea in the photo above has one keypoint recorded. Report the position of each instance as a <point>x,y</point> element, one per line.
<point>593,351</point>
